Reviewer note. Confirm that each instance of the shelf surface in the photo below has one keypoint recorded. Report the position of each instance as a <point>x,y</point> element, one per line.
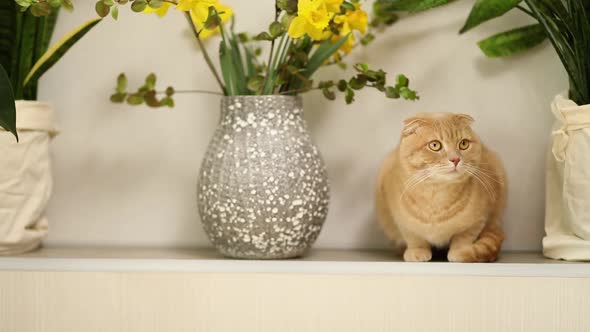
<point>319,261</point>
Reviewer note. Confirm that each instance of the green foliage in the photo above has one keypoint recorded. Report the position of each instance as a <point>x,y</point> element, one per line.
<point>57,51</point>
<point>7,107</point>
<point>567,25</point>
<point>368,78</point>
<point>485,10</point>
<point>513,41</point>
<point>26,28</point>
<point>290,66</point>
<point>145,94</point>
<point>40,8</point>
<point>385,12</point>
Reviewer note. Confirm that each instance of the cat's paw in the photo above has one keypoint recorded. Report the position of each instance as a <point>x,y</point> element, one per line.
<point>462,255</point>
<point>417,255</point>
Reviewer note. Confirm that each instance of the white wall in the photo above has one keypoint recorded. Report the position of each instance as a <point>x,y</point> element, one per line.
<point>126,176</point>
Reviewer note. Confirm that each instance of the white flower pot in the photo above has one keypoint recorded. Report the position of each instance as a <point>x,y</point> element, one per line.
<point>567,215</point>
<point>25,178</point>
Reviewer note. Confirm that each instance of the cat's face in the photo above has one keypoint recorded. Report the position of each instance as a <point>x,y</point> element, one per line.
<point>440,146</point>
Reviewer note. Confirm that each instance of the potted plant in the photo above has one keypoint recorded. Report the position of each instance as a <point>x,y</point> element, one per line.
<point>26,27</point>
<point>263,188</point>
<point>566,24</point>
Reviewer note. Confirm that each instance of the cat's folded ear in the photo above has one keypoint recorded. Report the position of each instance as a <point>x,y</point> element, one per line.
<point>464,119</point>
<point>412,124</point>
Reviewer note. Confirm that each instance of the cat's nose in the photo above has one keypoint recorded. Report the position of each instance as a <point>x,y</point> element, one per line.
<point>455,161</point>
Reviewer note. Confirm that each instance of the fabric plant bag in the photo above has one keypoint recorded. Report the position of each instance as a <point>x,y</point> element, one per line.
<point>25,178</point>
<point>567,215</point>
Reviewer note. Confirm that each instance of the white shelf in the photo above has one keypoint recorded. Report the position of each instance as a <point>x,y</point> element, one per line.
<point>351,262</point>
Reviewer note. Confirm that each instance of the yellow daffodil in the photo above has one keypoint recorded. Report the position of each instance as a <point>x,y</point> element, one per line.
<point>313,17</point>
<point>199,11</point>
<point>353,20</point>
<point>158,11</point>
<point>333,6</point>
<point>350,21</point>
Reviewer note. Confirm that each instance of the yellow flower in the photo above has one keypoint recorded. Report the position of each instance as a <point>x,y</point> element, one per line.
<point>199,11</point>
<point>313,17</point>
<point>334,5</point>
<point>350,21</point>
<point>353,20</point>
<point>158,11</point>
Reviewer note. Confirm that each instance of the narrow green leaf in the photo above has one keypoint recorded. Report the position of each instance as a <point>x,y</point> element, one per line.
<point>58,50</point>
<point>7,106</point>
<point>26,52</point>
<point>323,53</point>
<point>484,10</point>
<point>8,33</point>
<point>513,41</point>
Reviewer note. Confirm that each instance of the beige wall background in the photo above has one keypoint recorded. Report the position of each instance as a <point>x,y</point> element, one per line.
<point>126,176</point>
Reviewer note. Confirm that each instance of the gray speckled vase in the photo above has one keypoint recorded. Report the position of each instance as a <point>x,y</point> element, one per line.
<point>263,189</point>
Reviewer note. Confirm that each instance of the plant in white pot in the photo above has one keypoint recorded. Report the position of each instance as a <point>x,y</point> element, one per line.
<point>566,23</point>
<point>26,27</point>
<point>263,188</point>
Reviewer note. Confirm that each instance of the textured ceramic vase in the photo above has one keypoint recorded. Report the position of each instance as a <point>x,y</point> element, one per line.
<point>263,189</point>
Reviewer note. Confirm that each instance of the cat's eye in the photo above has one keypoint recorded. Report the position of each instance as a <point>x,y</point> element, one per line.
<point>435,145</point>
<point>464,144</point>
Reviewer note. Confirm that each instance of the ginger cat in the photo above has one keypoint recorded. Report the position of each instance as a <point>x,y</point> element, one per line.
<point>442,187</point>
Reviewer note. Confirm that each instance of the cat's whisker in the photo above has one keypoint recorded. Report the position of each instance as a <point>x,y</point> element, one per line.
<point>420,177</point>
<point>483,172</point>
<point>483,183</point>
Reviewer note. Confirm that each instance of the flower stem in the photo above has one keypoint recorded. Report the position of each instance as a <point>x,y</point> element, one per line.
<point>205,53</point>
<point>270,55</point>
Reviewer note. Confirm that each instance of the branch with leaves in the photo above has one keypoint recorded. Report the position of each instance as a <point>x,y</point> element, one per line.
<point>301,41</point>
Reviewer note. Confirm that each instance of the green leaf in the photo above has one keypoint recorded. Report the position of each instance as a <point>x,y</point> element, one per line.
<point>118,97</point>
<point>255,83</point>
<point>358,82</point>
<point>412,5</point>
<point>121,83</point>
<point>485,10</point>
<point>323,53</point>
<point>349,96</point>
<point>135,99</point>
<point>275,29</point>
<point>408,94</point>
<point>109,2</point>
<point>8,34</point>
<point>49,28</point>
<point>329,94</point>
<point>513,41</point>
<point>156,4</point>
<point>138,6</point>
<point>7,106</point>
<point>26,53</point>
<point>115,13</point>
<point>67,5</point>
<point>401,81</point>
<point>41,9</point>
<point>167,101</point>
<point>58,50</point>
<point>101,9</point>
<point>263,36</point>
<point>150,81</point>
<point>391,92</point>
<point>169,91</point>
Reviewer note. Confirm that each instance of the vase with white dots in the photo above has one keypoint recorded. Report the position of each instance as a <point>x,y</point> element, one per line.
<point>263,189</point>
